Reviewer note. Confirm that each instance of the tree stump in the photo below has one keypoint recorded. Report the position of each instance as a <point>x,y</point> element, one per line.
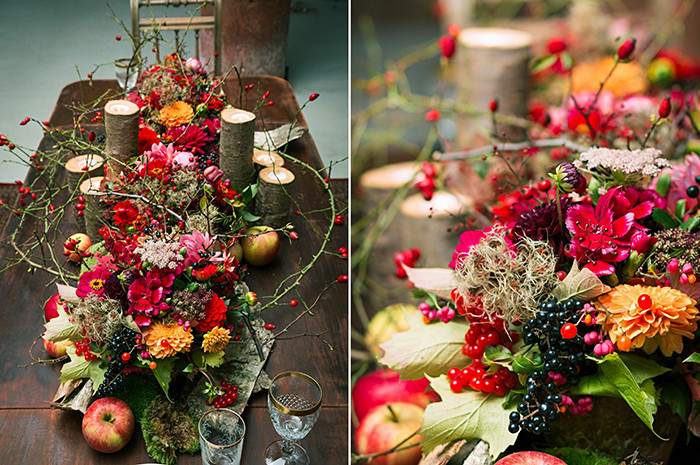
<point>236,146</point>
<point>273,201</point>
<point>425,224</point>
<point>122,131</point>
<point>80,168</point>
<point>93,206</point>
<point>494,64</point>
<point>266,159</point>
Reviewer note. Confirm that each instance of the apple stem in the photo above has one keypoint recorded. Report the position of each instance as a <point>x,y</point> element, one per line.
<point>394,417</point>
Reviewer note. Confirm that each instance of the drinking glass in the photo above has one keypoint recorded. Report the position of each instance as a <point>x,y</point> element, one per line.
<point>221,433</point>
<point>294,403</point>
<point>126,70</point>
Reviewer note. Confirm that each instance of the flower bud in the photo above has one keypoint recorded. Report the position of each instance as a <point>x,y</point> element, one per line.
<point>626,49</point>
<point>448,46</point>
<point>641,242</point>
<point>493,105</point>
<point>212,173</point>
<point>665,108</point>
<point>568,178</point>
<point>193,64</point>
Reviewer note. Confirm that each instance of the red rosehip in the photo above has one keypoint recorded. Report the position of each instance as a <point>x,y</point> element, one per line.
<point>293,303</point>
<point>343,278</point>
<point>448,46</point>
<point>568,331</point>
<point>118,37</point>
<point>294,235</point>
<point>432,115</point>
<point>313,96</point>
<point>493,105</point>
<point>644,301</point>
<point>626,49</point>
<point>665,108</point>
<point>556,45</point>
<point>544,185</point>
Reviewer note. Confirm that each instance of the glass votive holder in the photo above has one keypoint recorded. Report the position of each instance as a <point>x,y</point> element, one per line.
<point>127,72</point>
<point>221,433</point>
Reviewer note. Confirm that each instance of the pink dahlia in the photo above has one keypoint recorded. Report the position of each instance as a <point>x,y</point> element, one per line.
<point>197,247</point>
<point>603,235</point>
<point>192,139</point>
<point>147,296</point>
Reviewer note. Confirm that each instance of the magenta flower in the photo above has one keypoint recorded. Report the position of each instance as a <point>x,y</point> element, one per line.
<point>92,282</point>
<point>682,177</point>
<point>466,240</point>
<point>147,296</point>
<point>190,139</point>
<point>196,247</point>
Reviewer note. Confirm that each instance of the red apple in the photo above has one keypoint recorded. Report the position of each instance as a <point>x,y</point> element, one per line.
<point>383,386</point>
<point>51,307</point>
<point>387,426</point>
<point>530,458</point>
<point>236,249</point>
<point>75,247</point>
<point>108,424</point>
<point>54,349</point>
<point>260,246</point>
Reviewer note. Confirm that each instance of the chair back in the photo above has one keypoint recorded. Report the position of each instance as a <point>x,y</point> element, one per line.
<point>177,24</point>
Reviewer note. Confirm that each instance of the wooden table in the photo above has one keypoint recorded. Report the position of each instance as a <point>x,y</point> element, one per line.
<point>33,433</point>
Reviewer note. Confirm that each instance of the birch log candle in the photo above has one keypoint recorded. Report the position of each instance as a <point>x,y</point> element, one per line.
<point>266,159</point>
<point>236,146</point>
<point>424,225</point>
<point>122,132</point>
<point>273,201</point>
<point>93,207</point>
<point>83,165</point>
<point>494,64</point>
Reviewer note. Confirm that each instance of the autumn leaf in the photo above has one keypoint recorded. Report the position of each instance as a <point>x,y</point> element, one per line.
<point>79,368</point>
<point>579,284</point>
<point>439,281</point>
<point>426,349</point>
<point>465,415</point>
<point>61,328</point>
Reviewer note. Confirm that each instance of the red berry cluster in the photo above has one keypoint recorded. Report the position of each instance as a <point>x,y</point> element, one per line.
<point>226,398</point>
<point>476,377</point>
<point>427,184</point>
<point>408,257</point>
<point>80,206</point>
<point>484,330</point>
<point>83,348</point>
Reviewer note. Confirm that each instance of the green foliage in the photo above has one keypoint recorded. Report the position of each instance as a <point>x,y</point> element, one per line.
<point>163,373</point>
<point>664,219</point>
<point>677,396</point>
<point>78,368</point>
<point>61,328</point>
<point>629,377</point>
<point>575,456</point>
<point>466,415</point>
<point>442,348</point>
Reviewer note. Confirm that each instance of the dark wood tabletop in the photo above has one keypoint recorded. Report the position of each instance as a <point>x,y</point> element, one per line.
<point>33,433</point>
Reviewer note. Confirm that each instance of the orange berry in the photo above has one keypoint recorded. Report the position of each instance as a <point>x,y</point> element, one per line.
<point>624,343</point>
<point>152,365</point>
<point>691,278</point>
<point>426,320</point>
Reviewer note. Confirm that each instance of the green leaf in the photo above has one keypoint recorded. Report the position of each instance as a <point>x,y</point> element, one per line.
<point>249,192</point>
<point>197,358</point>
<point>179,284</point>
<point>677,397</point>
<point>61,328</point>
<point>482,169</point>
<point>567,61</point>
<point>616,379</point>
<point>579,284</point>
<point>466,415</point>
<point>249,217</point>
<point>497,354</point>
<point>189,368</point>
<point>692,223</point>
<point>680,209</point>
<point>664,218</point>
<point>693,358</point>
<point>663,184</point>
<point>542,63</point>
<point>440,348</point>
<point>192,287</point>
<point>163,373</point>
<point>203,203</point>
<point>214,359</point>
<point>79,368</point>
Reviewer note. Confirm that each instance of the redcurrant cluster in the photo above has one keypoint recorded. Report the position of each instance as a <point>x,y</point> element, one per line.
<point>408,257</point>
<point>82,348</point>
<point>484,331</point>
<point>228,393</point>
<point>476,377</point>
<point>427,184</point>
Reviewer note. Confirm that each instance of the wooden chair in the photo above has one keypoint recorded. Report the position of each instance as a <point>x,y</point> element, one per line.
<point>177,24</point>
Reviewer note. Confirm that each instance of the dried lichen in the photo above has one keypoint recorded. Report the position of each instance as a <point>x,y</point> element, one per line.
<point>504,279</point>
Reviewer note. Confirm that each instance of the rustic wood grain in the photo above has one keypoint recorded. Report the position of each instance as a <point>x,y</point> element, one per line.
<point>33,433</point>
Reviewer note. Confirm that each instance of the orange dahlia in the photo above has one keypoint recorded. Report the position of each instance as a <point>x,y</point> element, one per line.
<point>215,312</point>
<point>658,320</point>
<point>216,339</point>
<point>166,340</point>
<point>177,114</point>
<point>627,79</point>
